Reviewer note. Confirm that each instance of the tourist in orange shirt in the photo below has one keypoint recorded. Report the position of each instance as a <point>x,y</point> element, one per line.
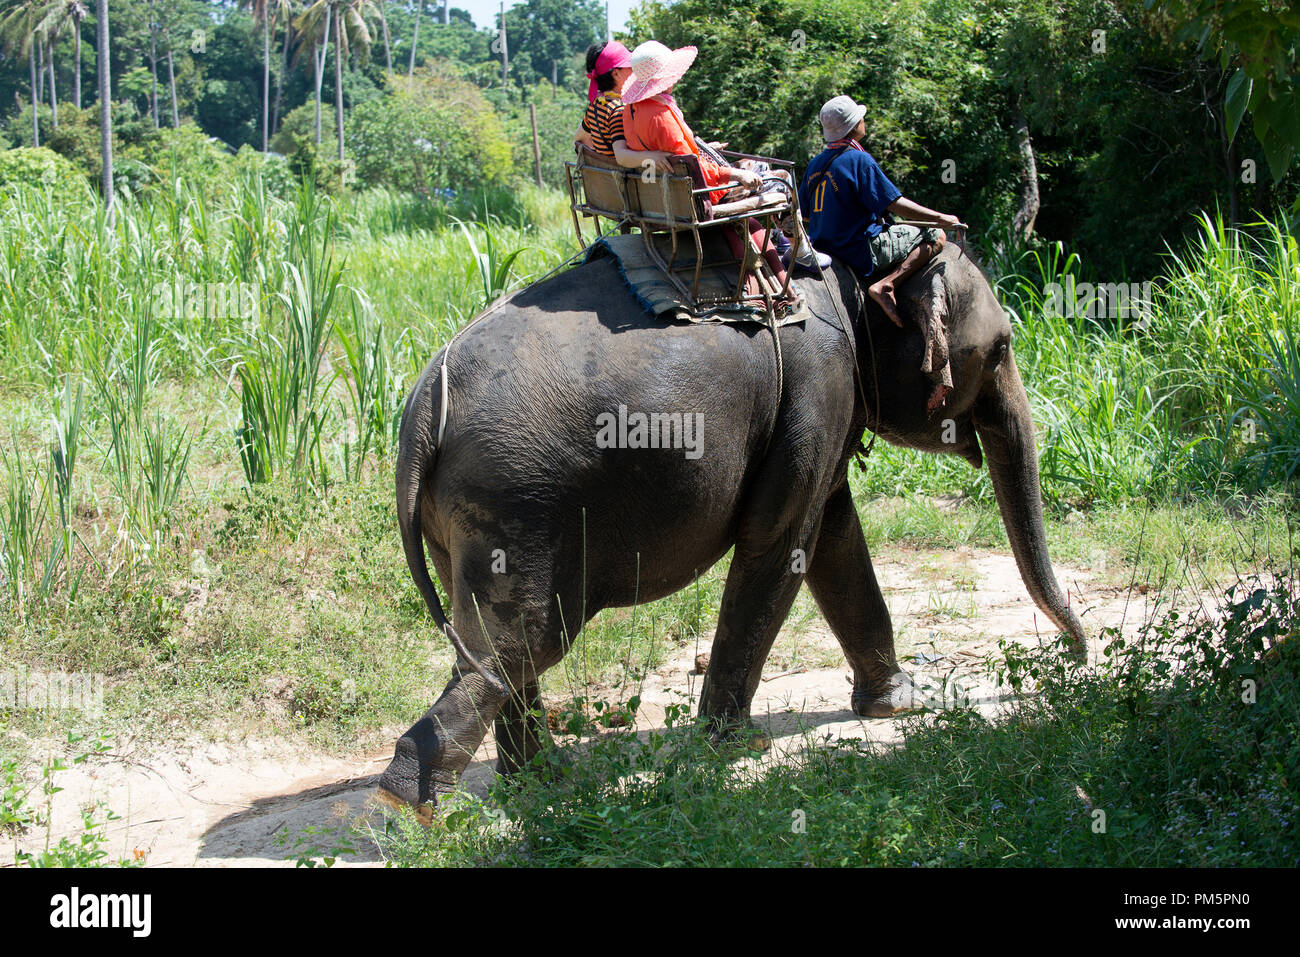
<point>652,121</point>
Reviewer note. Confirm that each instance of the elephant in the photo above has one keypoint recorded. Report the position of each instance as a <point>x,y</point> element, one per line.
<point>534,524</point>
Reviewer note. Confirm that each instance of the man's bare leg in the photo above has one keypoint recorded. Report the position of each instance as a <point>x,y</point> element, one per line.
<point>882,291</point>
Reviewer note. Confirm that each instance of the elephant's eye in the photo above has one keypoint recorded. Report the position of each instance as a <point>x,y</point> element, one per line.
<point>999,353</point>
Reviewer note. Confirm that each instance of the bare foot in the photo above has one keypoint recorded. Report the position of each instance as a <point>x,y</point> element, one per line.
<point>883,293</point>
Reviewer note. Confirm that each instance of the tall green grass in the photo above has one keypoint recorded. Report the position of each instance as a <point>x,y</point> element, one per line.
<point>350,297</point>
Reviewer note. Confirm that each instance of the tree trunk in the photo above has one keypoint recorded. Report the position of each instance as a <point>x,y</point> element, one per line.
<point>54,100</point>
<point>1227,150</point>
<point>40,72</point>
<point>36,125</point>
<point>505,54</point>
<point>171,82</point>
<point>1027,213</point>
<point>318,61</point>
<point>153,72</point>
<point>266,74</point>
<point>388,47</point>
<point>415,37</point>
<point>537,147</point>
<point>446,12</point>
<point>279,80</point>
<point>76,73</point>
<point>105,112</point>
<point>338,82</point>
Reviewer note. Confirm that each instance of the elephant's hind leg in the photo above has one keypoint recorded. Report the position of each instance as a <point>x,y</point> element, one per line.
<point>517,649</point>
<point>761,586</point>
<point>520,729</point>
<point>437,748</point>
<point>433,753</point>
<point>844,584</point>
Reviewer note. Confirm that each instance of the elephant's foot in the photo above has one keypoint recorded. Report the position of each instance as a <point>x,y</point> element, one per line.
<point>895,696</point>
<point>407,784</point>
<point>739,732</point>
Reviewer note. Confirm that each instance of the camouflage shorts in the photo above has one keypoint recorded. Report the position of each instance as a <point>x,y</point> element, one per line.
<point>891,245</point>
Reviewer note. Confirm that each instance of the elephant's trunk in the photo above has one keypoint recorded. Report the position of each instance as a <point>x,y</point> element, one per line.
<point>1006,431</point>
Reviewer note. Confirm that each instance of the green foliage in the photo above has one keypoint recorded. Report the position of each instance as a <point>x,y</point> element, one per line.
<point>945,84</point>
<point>282,393</point>
<point>559,113</point>
<point>541,33</point>
<point>1262,41</point>
<point>434,132</point>
<point>17,815</point>
<point>188,155</point>
<point>44,168</point>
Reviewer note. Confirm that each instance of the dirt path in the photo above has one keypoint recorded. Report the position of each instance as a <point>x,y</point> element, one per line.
<point>217,805</point>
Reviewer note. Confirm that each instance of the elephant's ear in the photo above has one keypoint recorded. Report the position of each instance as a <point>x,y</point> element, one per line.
<point>932,316</point>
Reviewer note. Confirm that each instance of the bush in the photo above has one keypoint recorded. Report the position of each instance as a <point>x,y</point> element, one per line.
<point>296,140</point>
<point>187,154</point>
<point>558,115</point>
<point>434,132</point>
<point>272,167</point>
<point>40,166</point>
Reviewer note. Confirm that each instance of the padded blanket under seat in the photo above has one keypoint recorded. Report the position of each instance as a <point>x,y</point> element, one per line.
<point>661,298</point>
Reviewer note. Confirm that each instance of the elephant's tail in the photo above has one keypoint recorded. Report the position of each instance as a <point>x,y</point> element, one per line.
<point>416,458</point>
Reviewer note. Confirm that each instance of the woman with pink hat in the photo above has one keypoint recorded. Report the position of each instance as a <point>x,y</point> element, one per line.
<point>609,67</point>
<point>652,121</point>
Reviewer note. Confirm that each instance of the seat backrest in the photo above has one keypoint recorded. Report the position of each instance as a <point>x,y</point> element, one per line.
<point>671,198</point>
<point>615,191</point>
<point>606,185</point>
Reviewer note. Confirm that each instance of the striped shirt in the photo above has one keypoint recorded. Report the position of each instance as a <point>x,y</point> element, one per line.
<point>604,121</point>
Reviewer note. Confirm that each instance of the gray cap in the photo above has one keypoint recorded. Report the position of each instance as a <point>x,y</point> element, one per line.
<point>839,116</point>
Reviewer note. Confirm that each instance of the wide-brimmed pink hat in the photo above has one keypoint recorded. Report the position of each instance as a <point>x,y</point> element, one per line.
<point>656,68</point>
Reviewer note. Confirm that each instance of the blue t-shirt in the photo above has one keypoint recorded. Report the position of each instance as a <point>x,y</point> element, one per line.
<point>844,193</point>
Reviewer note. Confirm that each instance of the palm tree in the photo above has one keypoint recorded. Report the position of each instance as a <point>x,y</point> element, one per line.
<point>350,31</point>
<point>153,63</point>
<point>53,16</point>
<point>314,26</point>
<point>415,37</point>
<point>171,78</point>
<point>287,8</point>
<point>378,12</point>
<point>105,112</point>
<point>263,11</point>
<point>18,32</point>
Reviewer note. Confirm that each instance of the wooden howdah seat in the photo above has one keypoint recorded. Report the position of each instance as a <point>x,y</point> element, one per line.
<point>678,204</point>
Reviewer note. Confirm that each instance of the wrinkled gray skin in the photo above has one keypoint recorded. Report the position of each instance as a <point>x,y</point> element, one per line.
<point>519,479</point>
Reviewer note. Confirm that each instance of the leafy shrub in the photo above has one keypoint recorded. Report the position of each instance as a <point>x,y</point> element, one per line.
<point>434,132</point>
<point>42,167</point>
<point>186,154</point>
<point>272,168</point>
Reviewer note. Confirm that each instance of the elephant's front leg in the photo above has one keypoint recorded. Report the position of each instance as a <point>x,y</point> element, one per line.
<point>844,584</point>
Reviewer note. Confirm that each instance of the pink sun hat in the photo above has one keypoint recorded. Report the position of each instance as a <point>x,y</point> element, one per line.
<point>655,68</point>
